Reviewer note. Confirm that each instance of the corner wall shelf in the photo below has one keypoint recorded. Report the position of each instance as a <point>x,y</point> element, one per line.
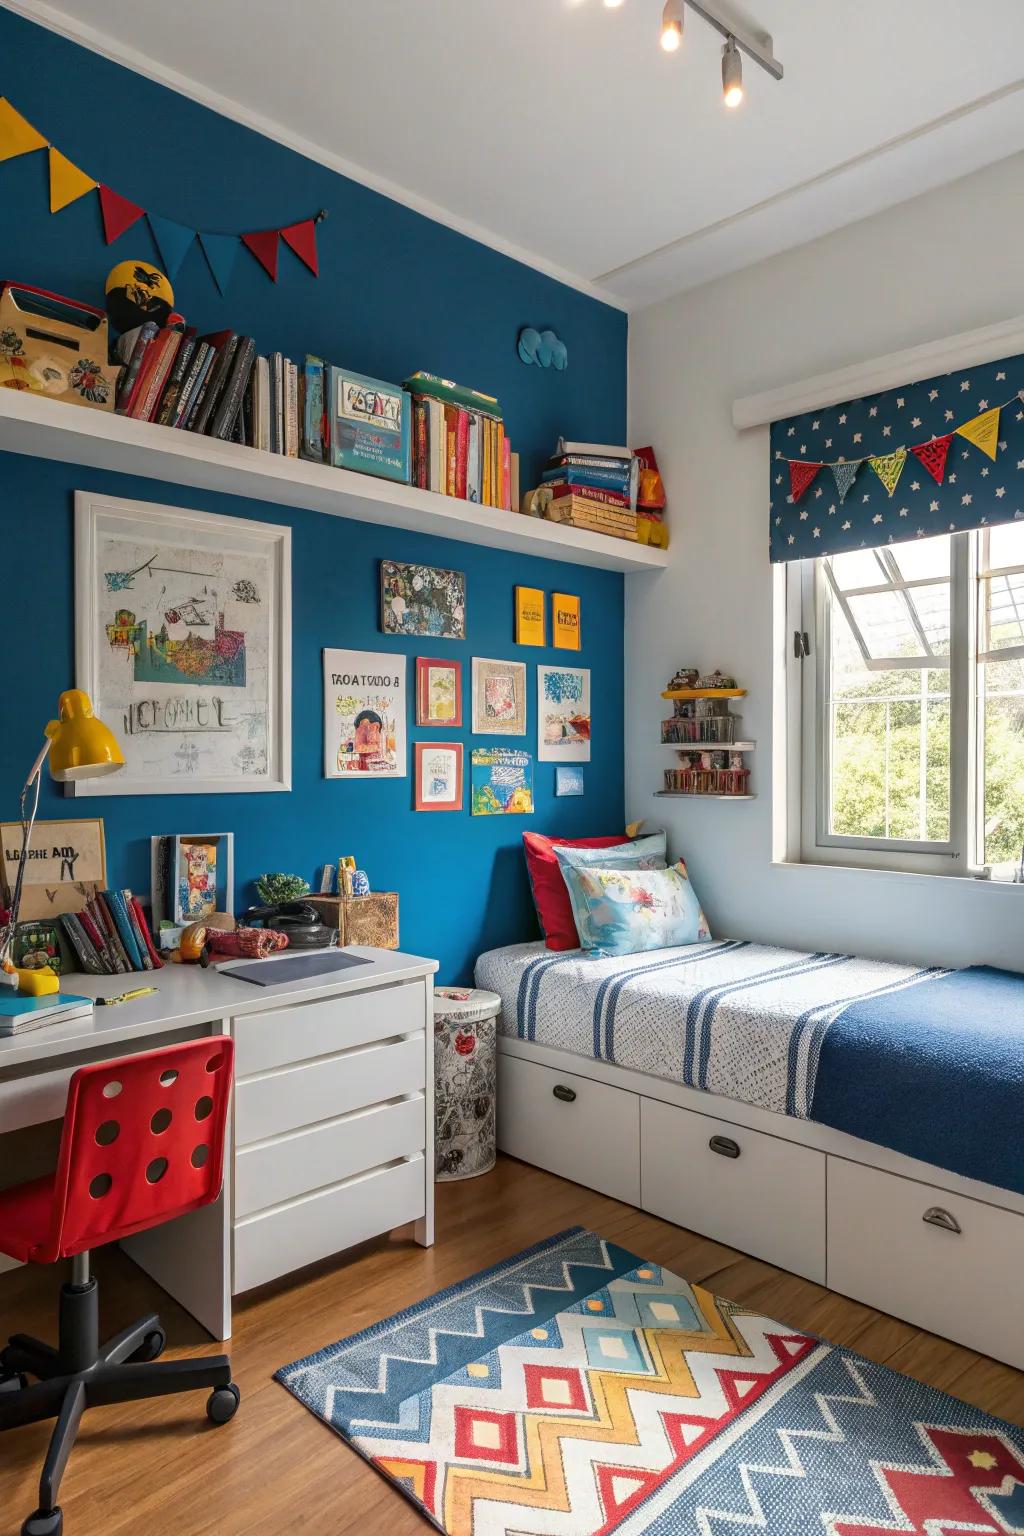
<point>75,434</point>
<point>705,693</point>
<point>692,794</point>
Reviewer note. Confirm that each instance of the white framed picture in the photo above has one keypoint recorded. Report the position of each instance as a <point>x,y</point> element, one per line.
<point>183,642</point>
<point>364,714</point>
<point>499,697</point>
<point>563,714</point>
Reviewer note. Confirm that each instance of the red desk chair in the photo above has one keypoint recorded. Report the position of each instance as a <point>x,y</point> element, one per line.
<point>143,1142</point>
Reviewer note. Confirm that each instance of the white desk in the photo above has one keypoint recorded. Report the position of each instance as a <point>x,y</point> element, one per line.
<point>331,1137</point>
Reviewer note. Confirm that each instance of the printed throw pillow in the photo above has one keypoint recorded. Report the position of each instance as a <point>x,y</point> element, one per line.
<point>550,897</point>
<point>628,911</point>
<point>650,852</point>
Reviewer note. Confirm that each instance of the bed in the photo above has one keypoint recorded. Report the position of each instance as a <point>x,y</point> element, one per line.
<point>856,1121</point>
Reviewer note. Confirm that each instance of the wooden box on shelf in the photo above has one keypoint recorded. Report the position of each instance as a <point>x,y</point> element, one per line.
<point>370,920</point>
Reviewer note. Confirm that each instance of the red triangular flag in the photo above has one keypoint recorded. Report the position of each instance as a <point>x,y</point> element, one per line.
<point>264,246</point>
<point>800,476</point>
<point>118,213</point>
<point>933,456</point>
<point>302,239</point>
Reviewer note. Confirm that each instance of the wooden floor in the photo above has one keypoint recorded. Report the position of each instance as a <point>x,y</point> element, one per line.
<point>158,1468</point>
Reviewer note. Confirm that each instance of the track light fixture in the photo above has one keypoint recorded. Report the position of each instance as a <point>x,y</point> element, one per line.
<point>732,74</point>
<point>612,5</point>
<point>672,25</point>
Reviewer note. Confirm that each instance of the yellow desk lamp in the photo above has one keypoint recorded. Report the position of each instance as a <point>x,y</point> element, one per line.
<point>79,747</point>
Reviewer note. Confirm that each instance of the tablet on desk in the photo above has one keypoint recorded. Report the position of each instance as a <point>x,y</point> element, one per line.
<point>276,970</point>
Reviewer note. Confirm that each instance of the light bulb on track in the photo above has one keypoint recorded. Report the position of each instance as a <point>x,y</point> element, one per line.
<point>672,26</point>
<point>732,74</point>
<point>612,5</point>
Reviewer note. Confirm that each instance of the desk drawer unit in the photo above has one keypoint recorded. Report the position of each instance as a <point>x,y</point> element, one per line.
<point>288,1035</point>
<point>275,1102</point>
<point>300,1231</point>
<point>944,1262</point>
<point>269,1172</point>
<point>757,1193</point>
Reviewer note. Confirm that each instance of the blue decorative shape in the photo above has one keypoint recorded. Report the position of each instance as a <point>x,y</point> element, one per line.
<point>543,348</point>
<point>220,251</point>
<point>360,883</point>
<point>172,241</point>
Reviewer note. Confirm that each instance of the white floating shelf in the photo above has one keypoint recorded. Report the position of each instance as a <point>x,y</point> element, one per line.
<point>711,746</point>
<point>687,794</point>
<point>74,434</point>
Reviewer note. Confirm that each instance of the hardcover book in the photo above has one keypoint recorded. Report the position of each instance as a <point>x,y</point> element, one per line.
<point>370,424</point>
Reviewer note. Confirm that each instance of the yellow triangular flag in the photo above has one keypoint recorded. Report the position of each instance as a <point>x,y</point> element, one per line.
<point>888,467</point>
<point>16,136</point>
<point>67,182</point>
<point>983,431</point>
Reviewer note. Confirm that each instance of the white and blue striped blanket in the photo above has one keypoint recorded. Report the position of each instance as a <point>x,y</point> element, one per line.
<point>743,1020</point>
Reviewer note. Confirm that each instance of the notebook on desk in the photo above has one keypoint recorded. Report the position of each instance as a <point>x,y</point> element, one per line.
<point>18,1014</point>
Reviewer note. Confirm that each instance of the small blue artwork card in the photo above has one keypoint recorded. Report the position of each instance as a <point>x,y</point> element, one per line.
<point>568,781</point>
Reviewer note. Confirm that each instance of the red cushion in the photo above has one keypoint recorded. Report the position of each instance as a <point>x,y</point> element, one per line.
<point>550,896</point>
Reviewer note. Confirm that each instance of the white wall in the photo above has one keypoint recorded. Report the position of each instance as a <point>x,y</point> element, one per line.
<point>942,263</point>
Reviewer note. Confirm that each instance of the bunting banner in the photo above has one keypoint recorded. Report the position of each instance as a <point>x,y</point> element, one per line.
<point>983,431</point>
<point>173,240</point>
<point>933,456</point>
<point>801,475</point>
<point>845,474</point>
<point>888,467</point>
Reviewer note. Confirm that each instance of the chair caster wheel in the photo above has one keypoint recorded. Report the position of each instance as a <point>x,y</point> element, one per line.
<point>45,1522</point>
<point>221,1405</point>
<point>151,1348</point>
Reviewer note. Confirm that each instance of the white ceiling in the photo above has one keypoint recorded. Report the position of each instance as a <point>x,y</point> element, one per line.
<point>559,131</point>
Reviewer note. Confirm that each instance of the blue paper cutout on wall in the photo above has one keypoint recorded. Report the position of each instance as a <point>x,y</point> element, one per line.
<point>172,240</point>
<point>544,348</point>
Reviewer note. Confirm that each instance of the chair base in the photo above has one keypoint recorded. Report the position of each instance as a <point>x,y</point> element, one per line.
<point>83,1374</point>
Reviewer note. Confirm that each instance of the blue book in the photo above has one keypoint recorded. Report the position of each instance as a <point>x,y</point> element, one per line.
<point>370,425</point>
<point>118,910</point>
<point>607,480</point>
<point>21,1013</point>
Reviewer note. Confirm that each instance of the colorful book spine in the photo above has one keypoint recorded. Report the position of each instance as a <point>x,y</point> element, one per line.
<point>216,384</point>
<point>191,383</point>
<point>147,937</point>
<point>163,352</point>
<point>167,409</point>
<point>561,488</point>
<point>605,480</point>
<point>225,417</point>
<point>130,377</point>
<point>421,444</point>
<point>291,409</point>
<point>461,453</point>
<point>506,473</point>
<point>312,444</point>
<point>87,955</point>
<point>104,917</point>
<point>450,393</point>
<point>136,931</point>
<point>473,458</point>
<point>115,903</point>
<point>98,940</point>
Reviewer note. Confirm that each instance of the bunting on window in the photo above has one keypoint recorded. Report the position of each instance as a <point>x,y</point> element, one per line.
<point>933,456</point>
<point>800,477</point>
<point>888,467</point>
<point>844,475</point>
<point>173,240</point>
<point>983,431</point>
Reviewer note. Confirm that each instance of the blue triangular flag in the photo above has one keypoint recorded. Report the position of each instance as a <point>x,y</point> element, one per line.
<point>846,474</point>
<point>172,241</point>
<point>220,251</point>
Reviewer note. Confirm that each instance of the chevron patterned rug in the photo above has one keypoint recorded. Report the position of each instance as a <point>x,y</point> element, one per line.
<point>577,1390</point>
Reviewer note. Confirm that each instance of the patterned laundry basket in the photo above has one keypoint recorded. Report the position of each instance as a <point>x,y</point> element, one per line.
<point>465,1080</point>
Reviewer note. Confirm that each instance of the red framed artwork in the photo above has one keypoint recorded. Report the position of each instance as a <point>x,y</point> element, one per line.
<point>438,775</point>
<point>438,692</point>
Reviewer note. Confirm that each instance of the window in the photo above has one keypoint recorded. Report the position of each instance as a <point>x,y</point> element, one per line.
<point>911,703</point>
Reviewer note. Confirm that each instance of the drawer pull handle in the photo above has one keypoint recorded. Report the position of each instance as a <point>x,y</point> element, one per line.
<point>724,1146</point>
<point>567,1095</point>
<point>935,1216</point>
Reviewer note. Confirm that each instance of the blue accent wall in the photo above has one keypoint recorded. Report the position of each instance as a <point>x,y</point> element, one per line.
<point>396,292</point>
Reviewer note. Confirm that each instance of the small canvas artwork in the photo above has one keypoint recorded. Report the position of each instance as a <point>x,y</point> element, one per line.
<point>530,626</point>
<point>499,697</point>
<point>439,776</point>
<point>565,621</point>
<point>563,714</point>
<point>196,881</point>
<point>422,600</point>
<point>502,782</point>
<point>364,714</point>
<point>438,692</point>
<point>568,781</point>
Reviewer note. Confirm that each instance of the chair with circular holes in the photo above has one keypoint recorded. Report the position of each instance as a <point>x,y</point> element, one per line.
<point>143,1142</point>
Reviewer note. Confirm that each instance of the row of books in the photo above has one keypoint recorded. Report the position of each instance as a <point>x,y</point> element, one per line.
<point>460,447</point>
<point>592,486</point>
<point>110,935</point>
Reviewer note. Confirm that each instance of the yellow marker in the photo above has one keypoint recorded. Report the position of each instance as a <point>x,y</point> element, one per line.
<point>125,997</point>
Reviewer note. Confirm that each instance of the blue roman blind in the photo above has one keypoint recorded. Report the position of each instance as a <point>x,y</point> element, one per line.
<point>936,457</point>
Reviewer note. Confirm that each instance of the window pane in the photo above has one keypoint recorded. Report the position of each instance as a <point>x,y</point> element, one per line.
<point>922,558</point>
<point>932,607</point>
<point>1004,596</point>
<point>1003,727</point>
<point>888,731</point>
<point>857,568</point>
<point>1006,545</point>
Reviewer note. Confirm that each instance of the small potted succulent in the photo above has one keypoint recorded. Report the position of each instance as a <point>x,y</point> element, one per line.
<point>275,890</point>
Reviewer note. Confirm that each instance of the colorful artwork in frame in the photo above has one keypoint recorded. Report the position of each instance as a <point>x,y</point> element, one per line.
<point>438,692</point>
<point>502,782</point>
<point>563,714</point>
<point>565,622</point>
<point>422,600</point>
<point>568,781</point>
<point>499,697</point>
<point>364,714</point>
<point>439,776</point>
<point>183,642</point>
<point>530,627</point>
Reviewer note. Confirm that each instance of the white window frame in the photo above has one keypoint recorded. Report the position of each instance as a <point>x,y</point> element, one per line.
<point>809,839</point>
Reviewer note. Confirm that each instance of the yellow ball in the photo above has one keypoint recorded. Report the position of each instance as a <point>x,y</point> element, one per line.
<point>137,291</point>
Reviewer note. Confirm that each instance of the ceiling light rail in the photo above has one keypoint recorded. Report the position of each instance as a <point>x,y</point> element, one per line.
<point>738,39</point>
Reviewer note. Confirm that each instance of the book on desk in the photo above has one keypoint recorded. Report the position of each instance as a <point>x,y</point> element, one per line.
<point>18,1014</point>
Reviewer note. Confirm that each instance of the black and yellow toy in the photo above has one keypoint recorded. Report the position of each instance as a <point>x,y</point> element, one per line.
<point>136,292</point>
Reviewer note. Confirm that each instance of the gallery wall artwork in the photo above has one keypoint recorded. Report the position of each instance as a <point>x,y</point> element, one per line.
<point>438,692</point>
<point>501,782</point>
<point>563,714</point>
<point>568,781</point>
<point>183,642</point>
<point>439,776</point>
<point>66,866</point>
<point>530,628</point>
<point>364,714</point>
<point>499,697</point>
<point>422,600</point>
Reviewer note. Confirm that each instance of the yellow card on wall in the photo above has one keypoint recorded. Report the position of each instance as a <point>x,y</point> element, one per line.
<point>565,618</point>
<point>530,616</point>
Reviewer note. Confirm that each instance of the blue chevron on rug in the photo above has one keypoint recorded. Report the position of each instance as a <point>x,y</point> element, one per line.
<point>577,1389</point>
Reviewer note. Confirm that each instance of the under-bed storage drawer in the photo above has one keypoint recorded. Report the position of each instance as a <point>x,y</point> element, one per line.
<point>945,1262</point>
<point>757,1193</point>
<point>583,1130</point>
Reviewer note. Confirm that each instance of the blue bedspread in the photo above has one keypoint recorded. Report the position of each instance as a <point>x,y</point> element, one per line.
<point>936,1072</point>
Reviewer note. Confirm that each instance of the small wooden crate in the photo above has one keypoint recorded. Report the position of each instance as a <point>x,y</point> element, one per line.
<point>370,920</point>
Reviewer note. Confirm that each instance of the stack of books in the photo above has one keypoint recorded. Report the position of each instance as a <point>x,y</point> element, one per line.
<point>592,486</point>
<point>459,446</point>
<point>111,935</point>
<point>17,1014</point>
<point>178,379</point>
